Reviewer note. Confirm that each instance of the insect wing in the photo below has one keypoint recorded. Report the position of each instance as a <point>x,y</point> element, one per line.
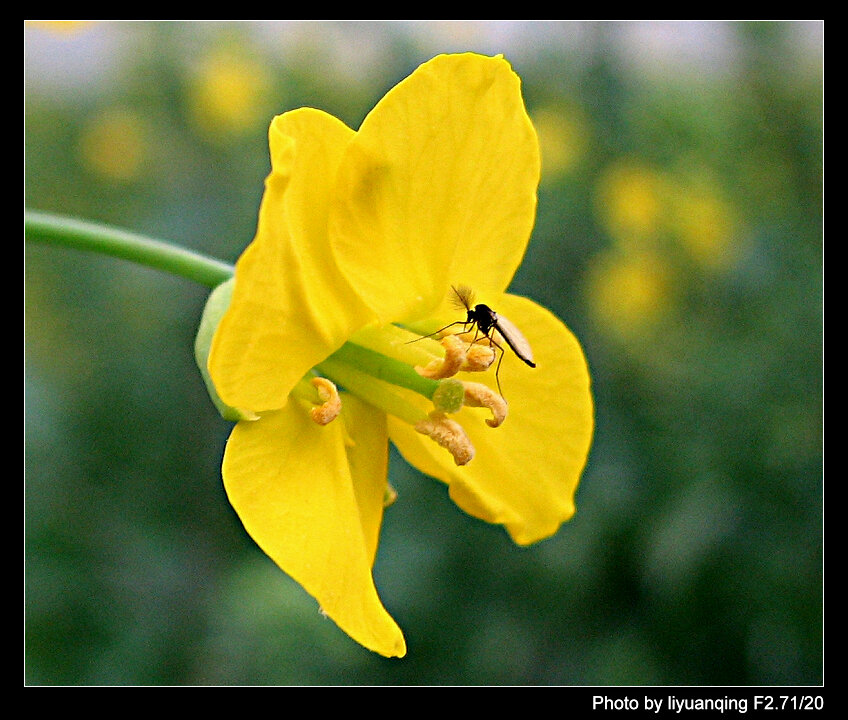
<point>515,340</point>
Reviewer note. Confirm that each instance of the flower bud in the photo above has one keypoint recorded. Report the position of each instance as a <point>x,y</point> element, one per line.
<point>216,306</point>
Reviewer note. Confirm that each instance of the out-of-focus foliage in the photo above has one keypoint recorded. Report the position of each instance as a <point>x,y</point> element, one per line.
<point>679,234</point>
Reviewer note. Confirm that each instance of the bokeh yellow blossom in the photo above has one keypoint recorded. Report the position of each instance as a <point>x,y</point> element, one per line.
<point>115,145</point>
<point>702,222</point>
<point>563,137</point>
<point>60,27</point>
<point>629,202</point>
<point>228,93</point>
<point>628,292</point>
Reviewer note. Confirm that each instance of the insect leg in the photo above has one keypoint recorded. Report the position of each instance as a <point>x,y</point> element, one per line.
<point>433,334</point>
<point>500,359</point>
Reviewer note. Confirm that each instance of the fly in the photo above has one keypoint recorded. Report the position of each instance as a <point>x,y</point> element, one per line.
<point>483,320</point>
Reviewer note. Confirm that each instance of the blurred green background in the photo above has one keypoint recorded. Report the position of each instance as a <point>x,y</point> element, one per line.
<point>679,234</point>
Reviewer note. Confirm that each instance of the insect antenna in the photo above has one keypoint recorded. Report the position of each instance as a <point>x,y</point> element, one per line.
<point>463,297</point>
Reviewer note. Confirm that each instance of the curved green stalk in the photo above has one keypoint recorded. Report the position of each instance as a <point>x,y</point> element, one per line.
<point>70,232</point>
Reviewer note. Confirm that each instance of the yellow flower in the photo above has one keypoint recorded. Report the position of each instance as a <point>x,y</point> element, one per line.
<point>227,93</point>
<point>703,222</point>
<point>628,293</point>
<point>360,237</point>
<point>60,27</point>
<point>116,145</point>
<point>630,203</point>
<point>563,138</point>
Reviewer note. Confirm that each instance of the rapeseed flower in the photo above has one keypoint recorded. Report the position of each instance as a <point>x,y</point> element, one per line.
<point>227,93</point>
<point>361,235</point>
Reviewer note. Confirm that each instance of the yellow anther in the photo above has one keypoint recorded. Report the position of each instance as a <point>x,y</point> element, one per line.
<point>479,395</point>
<point>389,496</point>
<point>453,361</point>
<point>331,402</point>
<point>478,358</point>
<point>449,434</point>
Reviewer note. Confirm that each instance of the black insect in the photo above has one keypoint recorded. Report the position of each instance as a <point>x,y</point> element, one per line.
<point>484,321</point>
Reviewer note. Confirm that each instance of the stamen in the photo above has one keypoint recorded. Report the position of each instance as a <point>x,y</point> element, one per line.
<point>389,496</point>
<point>479,395</point>
<point>460,354</point>
<point>478,358</point>
<point>455,358</point>
<point>448,434</point>
<point>332,404</point>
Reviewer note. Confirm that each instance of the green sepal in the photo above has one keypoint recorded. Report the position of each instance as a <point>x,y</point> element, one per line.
<point>216,306</point>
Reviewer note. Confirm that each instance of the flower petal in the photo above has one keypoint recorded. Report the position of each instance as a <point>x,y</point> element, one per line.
<point>525,472</point>
<point>291,307</point>
<point>290,483</point>
<point>439,186</point>
<point>368,458</point>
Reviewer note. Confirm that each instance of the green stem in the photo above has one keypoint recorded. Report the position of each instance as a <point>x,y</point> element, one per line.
<point>70,232</point>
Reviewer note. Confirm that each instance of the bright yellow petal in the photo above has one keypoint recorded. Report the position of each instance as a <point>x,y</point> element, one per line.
<point>525,473</point>
<point>437,187</point>
<point>368,458</point>
<point>291,307</point>
<point>289,481</point>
